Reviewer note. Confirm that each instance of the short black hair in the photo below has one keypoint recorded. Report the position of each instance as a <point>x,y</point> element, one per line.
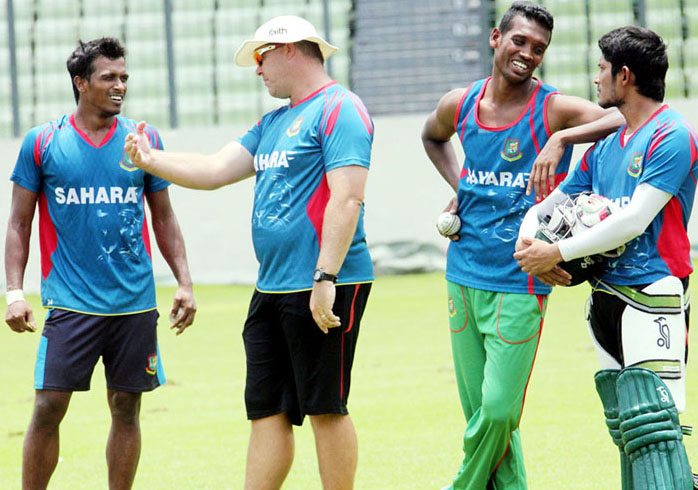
<point>80,61</point>
<point>311,49</point>
<point>644,53</point>
<point>529,10</point>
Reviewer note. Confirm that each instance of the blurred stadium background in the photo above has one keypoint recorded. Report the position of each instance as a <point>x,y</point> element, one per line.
<point>400,56</point>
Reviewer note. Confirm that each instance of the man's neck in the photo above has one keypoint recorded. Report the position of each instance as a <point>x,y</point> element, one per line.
<point>90,122</point>
<point>308,83</point>
<point>501,92</point>
<point>637,111</point>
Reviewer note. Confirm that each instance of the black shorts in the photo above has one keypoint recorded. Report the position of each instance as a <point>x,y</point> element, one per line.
<point>292,366</point>
<point>71,343</point>
<point>605,320</point>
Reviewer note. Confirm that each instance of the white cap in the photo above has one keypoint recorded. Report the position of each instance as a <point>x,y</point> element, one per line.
<point>283,29</point>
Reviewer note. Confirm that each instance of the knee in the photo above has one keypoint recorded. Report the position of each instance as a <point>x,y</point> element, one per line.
<point>49,410</point>
<point>125,407</point>
<point>499,414</point>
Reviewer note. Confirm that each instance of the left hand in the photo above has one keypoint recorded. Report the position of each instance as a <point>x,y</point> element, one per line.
<point>321,303</point>
<point>537,257</point>
<point>183,309</point>
<point>542,178</point>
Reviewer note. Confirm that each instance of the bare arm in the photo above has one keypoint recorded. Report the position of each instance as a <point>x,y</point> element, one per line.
<point>19,314</point>
<point>572,120</point>
<point>171,244</point>
<point>347,186</point>
<point>232,163</point>
<point>436,137</point>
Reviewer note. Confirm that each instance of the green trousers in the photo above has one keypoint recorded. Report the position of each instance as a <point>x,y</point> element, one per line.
<point>494,337</point>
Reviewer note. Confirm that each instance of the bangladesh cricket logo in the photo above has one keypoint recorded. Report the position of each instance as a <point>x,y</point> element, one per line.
<point>451,307</point>
<point>511,151</point>
<point>127,164</point>
<point>152,364</point>
<point>635,167</point>
<point>295,128</point>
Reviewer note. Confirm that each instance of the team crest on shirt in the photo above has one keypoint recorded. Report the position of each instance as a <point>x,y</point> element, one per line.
<point>295,127</point>
<point>127,164</point>
<point>635,167</point>
<point>451,307</point>
<point>152,364</point>
<point>511,151</point>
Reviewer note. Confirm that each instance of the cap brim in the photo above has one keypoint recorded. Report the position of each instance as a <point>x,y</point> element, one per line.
<point>245,53</point>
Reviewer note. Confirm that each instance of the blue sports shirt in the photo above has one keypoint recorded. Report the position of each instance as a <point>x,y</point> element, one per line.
<point>95,249</point>
<point>492,198</point>
<point>663,154</point>
<point>293,147</point>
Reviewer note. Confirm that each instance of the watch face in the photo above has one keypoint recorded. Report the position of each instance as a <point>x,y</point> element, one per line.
<point>317,275</point>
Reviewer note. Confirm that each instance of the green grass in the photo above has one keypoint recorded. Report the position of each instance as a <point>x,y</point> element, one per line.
<point>403,402</point>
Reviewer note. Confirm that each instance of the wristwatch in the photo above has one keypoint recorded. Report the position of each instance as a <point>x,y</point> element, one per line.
<point>320,275</point>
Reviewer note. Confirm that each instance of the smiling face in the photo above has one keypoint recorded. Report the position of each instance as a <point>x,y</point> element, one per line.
<point>520,50</point>
<point>105,90</point>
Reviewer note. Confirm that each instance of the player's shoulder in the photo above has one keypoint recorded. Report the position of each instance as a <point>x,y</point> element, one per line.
<point>671,122</point>
<point>42,134</point>
<point>130,124</point>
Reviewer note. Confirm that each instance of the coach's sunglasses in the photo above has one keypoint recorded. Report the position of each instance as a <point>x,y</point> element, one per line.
<point>260,52</point>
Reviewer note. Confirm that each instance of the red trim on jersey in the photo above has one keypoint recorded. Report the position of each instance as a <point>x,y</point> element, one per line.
<point>48,240</point>
<point>351,324</point>
<point>531,101</point>
<point>323,119</point>
<point>624,142</point>
<point>334,115</point>
<point>658,137</point>
<point>84,136</point>
<point>463,172</point>
<point>673,244</point>
<point>460,106</point>
<point>532,125</point>
<point>313,94</point>
<point>41,141</point>
<point>584,164</point>
<point>531,284</point>
<point>363,112</point>
<point>545,113</point>
<point>144,232</point>
<point>694,157</point>
<point>316,207</point>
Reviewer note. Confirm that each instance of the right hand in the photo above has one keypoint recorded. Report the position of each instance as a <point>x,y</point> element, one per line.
<point>542,177</point>
<point>451,207</point>
<point>20,317</point>
<point>137,146</point>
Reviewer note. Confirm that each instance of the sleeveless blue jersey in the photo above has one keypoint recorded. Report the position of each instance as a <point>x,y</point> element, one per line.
<point>663,154</point>
<point>293,148</point>
<point>95,251</point>
<point>492,198</point>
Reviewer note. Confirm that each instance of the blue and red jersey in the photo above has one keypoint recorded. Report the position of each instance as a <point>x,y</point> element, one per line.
<point>293,148</point>
<point>663,154</point>
<point>492,198</point>
<point>95,250</point>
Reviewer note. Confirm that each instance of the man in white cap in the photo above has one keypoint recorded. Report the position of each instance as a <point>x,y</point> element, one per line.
<point>310,159</point>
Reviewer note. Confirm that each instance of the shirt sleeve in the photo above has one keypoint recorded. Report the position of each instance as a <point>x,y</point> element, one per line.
<point>580,179</point>
<point>153,183</point>
<point>251,139</point>
<point>27,171</point>
<point>668,158</point>
<point>346,133</point>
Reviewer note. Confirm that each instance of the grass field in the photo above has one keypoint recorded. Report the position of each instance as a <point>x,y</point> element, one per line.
<point>404,402</point>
